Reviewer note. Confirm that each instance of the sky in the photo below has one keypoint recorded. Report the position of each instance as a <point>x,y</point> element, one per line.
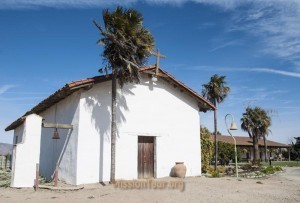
<point>45,44</point>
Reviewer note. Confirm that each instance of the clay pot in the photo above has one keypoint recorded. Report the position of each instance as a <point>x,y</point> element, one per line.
<point>179,170</point>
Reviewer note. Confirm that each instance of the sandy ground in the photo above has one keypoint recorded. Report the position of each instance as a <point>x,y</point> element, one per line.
<point>284,187</point>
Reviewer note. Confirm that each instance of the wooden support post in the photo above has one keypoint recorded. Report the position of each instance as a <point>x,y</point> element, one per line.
<point>56,176</point>
<point>37,177</point>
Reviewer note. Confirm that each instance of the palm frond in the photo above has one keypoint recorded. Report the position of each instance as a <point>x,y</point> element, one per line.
<point>126,43</point>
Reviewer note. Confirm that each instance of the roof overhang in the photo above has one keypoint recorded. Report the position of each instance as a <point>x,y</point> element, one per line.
<point>87,83</point>
<point>244,141</point>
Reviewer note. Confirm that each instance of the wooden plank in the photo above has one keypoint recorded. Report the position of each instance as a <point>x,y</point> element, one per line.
<point>145,157</point>
<point>150,156</point>
<point>37,177</point>
<point>140,175</point>
<point>57,125</point>
<point>70,188</point>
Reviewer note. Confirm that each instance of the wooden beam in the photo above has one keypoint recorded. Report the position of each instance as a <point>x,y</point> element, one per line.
<point>57,125</point>
<point>37,177</point>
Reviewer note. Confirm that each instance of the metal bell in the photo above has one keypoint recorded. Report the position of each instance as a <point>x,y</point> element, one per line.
<point>55,135</point>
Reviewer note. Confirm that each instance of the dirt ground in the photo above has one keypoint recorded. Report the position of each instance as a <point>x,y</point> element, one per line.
<point>283,187</point>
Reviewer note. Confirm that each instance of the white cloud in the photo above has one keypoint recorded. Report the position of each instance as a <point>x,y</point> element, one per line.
<point>277,26</point>
<point>263,70</point>
<point>5,88</point>
<point>226,44</point>
<point>279,72</point>
<point>275,22</point>
<point>243,69</point>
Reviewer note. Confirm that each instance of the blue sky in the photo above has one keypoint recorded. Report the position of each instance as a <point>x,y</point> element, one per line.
<point>256,44</point>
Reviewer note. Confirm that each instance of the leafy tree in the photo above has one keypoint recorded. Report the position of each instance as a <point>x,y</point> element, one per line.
<point>256,122</point>
<point>295,150</point>
<point>206,148</point>
<point>226,152</point>
<point>127,45</point>
<point>216,90</point>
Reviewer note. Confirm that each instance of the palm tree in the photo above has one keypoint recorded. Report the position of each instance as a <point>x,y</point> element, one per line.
<point>266,148</point>
<point>127,45</point>
<point>216,90</point>
<point>264,133</point>
<point>256,122</point>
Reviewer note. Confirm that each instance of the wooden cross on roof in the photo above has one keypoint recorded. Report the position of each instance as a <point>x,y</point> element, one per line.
<point>158,55</point>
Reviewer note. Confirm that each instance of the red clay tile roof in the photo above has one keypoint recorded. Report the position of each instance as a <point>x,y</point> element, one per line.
<point>74,86</point>
<point>247,141</point>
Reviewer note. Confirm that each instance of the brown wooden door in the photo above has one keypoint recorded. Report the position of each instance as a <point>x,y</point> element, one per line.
<point>145,157</point>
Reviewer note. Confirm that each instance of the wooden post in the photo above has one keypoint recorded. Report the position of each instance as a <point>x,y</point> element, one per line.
<point>56,176</point>
<point>37,177</point>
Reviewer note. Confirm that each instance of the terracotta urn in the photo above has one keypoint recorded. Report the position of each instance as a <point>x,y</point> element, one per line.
<point>179,170</point>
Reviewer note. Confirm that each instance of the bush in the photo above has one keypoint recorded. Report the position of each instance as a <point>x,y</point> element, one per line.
<point>226,153</point>
<point>222,169</point>
<point>271,169</point>
<point>255,162</point>
<point>246,167</point>
<point>251,167</point>
<point>206,148</point>
<point>215,174</point>
<point>5,176</point>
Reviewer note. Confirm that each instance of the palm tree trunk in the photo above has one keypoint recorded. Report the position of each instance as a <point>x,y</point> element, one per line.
<point>113,128</point>
<point>266,148</point>
<point>256,150</point>
<point>216,141</point>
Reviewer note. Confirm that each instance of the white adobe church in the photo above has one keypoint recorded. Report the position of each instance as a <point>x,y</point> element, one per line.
<point>158,124</point>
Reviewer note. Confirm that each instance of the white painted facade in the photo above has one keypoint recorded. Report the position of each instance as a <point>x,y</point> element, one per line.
<point>64,150</point>
<point>26,152</point>
<point>148,109</point>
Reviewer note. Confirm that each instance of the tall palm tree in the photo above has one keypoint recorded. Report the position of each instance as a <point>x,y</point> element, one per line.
<point>256,122</point>
<point>127,45</point>
<point>216,90</point>
<point>264,133</point>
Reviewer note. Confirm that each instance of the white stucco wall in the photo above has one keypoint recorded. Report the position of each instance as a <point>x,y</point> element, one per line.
<point>64,112</point>
<point>26,152</point>
<point>158,109</point>
<point>94,135</point>
<point>146,109</point>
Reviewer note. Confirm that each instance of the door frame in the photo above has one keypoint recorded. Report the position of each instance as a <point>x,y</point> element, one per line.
<point>154,156</point>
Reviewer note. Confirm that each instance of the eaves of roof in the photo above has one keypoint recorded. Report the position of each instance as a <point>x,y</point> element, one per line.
<point>74,86</point>
<point>244,141</point>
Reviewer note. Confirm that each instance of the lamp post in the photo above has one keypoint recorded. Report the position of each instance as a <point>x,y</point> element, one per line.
<point>233,127</point>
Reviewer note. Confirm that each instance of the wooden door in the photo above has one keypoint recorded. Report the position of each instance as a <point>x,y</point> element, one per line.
<point>145,157</point>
